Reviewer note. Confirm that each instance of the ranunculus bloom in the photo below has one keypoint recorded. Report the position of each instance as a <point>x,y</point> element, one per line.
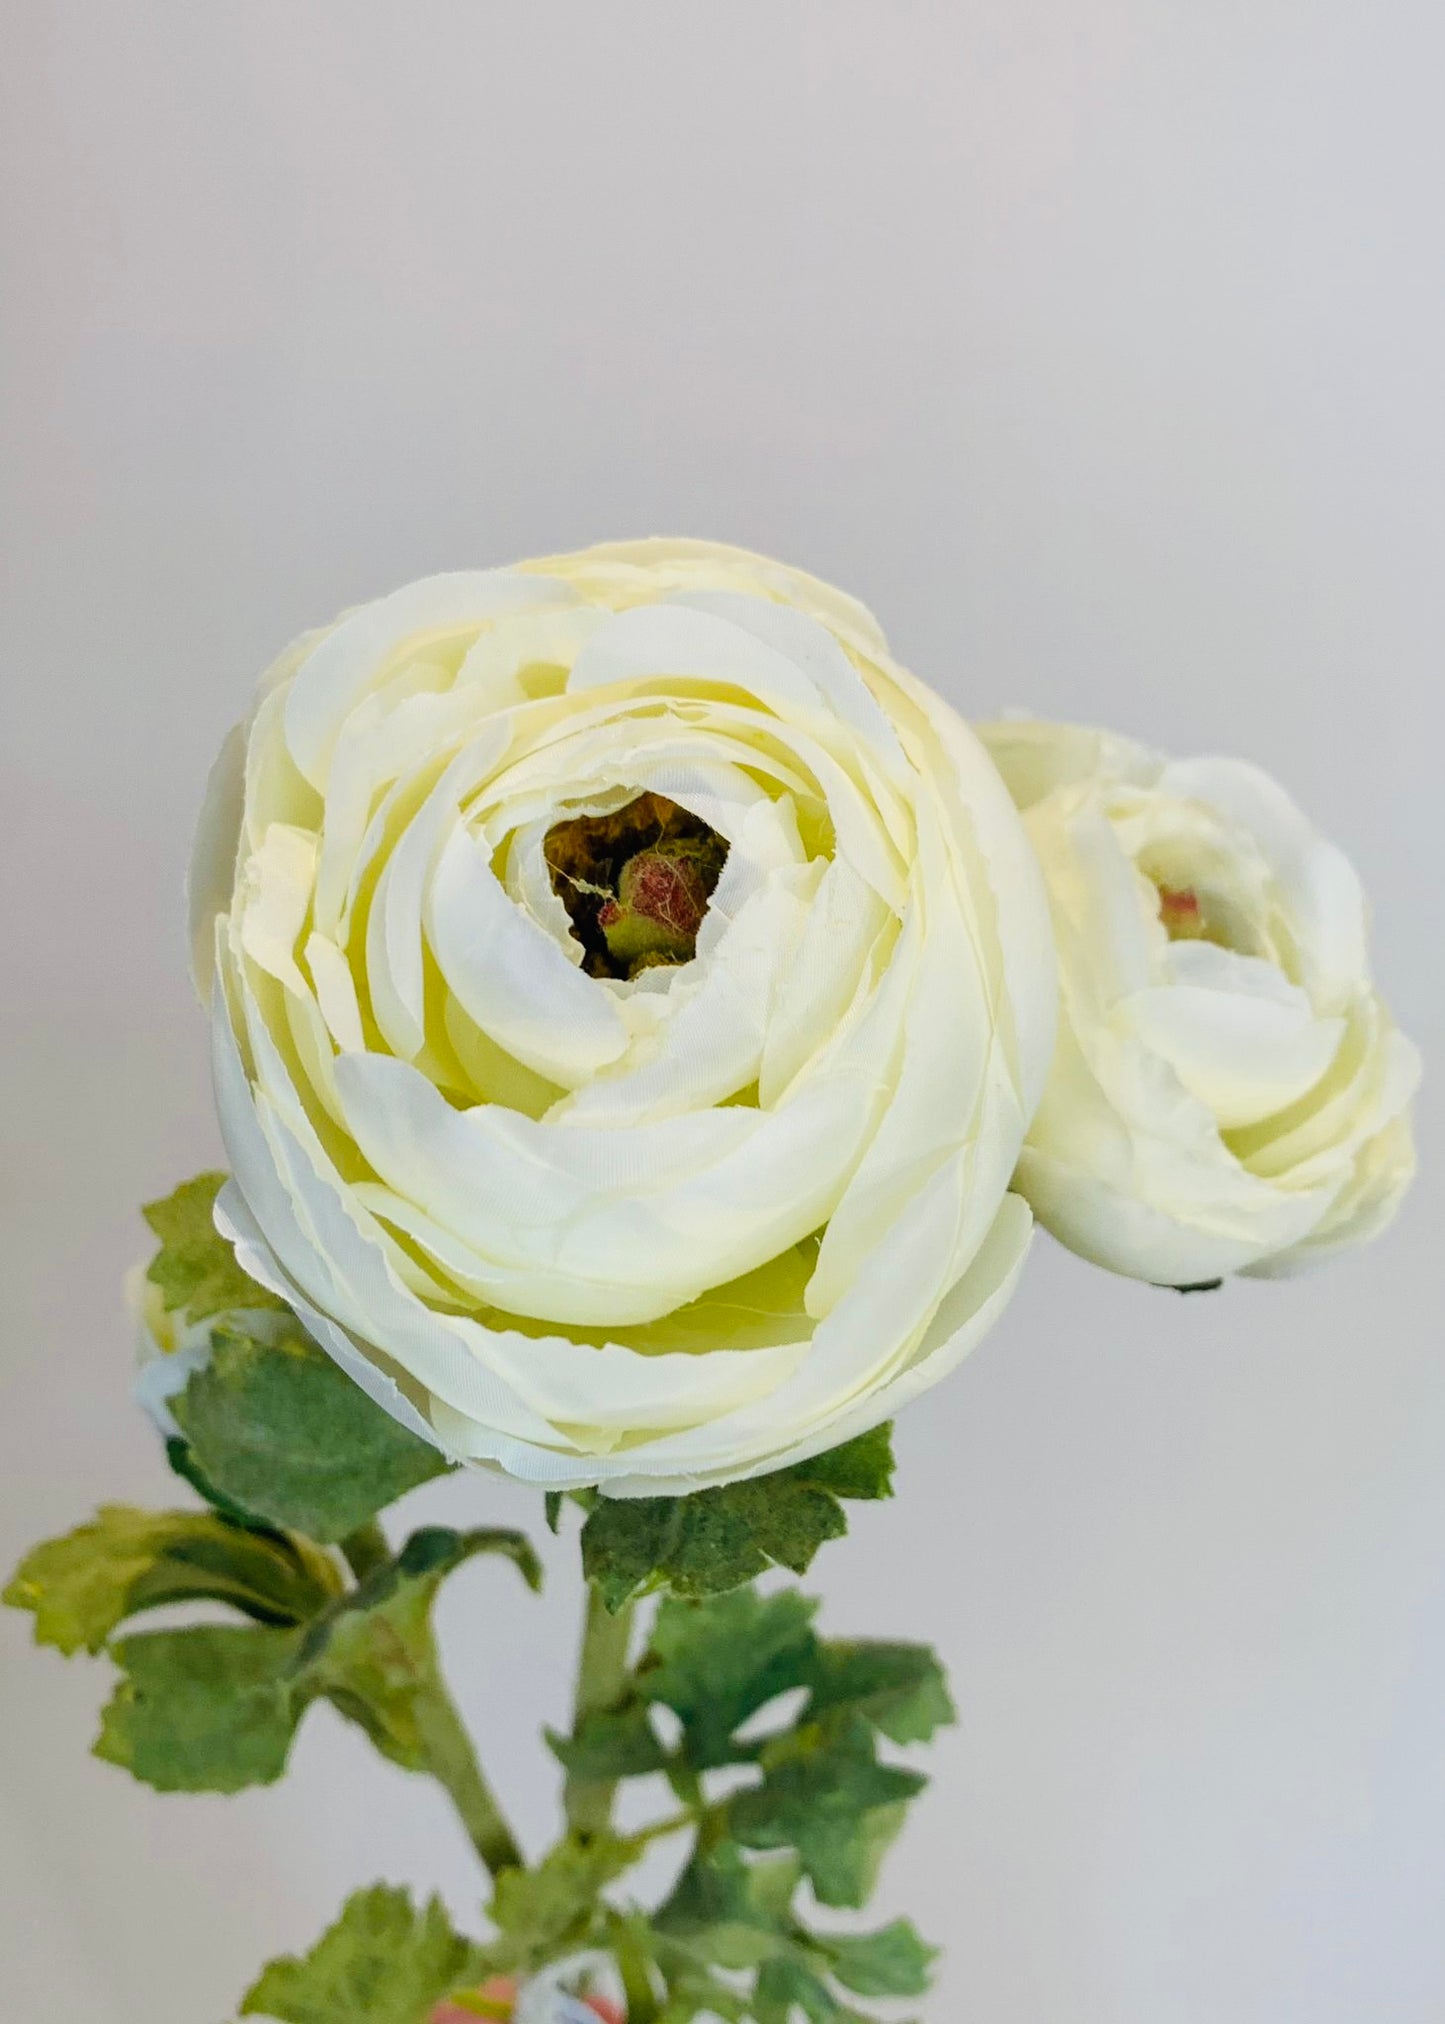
<point>1229,1093</point>
<point>632,992</point>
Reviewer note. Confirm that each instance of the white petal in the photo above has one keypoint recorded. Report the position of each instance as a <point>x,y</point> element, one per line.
<point>509,975</point>
<point>1243,1055</point>
<point>354,656</point>
<point>212,874</point>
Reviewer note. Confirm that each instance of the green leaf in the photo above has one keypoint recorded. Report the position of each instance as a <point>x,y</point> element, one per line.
<point>205,1710</point>
<point>542,1912</point>
<point>861,1468</point>
<point>609,1744</point>
<point>82,1586</point>
<point>282,1431</point>
<point>383,1962</point>
<point>786,1985</point>
<point>899,1688</point>
<point>552,1503</point>
<point>891,1962</point>
<point>733,1913</point>
<point>373,1653</point>
<point>715,1663</point>
<point>715,1540</point>
<point>215,1709</point>
<point>195,1267</point>
<point>825,1794</point>
<point>693,1991</point>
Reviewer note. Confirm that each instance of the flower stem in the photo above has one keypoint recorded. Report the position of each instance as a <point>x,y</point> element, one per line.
<point>446,1746</point>
<point>452,1761</point>
<point>601,1678</point>
<point>365,1549</point>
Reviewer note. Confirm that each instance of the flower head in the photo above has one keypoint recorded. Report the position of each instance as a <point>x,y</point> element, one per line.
<point>1230,1093</point>
<point>629,990</point>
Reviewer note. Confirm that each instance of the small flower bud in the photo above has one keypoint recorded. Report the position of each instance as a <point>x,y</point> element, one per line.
<point>662,896</point>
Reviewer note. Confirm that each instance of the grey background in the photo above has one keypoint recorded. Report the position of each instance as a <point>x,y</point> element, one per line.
<point>1098,347</point>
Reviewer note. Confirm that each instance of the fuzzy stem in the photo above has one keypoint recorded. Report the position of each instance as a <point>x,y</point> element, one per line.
<point>601,1677</point>
<point>452,1761</point>
<point>450,1758</point>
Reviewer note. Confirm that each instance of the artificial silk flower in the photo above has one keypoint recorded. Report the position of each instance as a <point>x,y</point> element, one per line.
<point>630,990</point>
<point>1229,1092</point>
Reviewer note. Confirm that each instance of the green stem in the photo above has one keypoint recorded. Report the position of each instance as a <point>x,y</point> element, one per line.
<point>601,1678</point>
<point>365,1549</point>
<point>446,1746</point>
<point>452,1761</point>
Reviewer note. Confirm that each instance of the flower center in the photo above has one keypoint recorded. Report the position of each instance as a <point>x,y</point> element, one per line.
<point>1186,918</point>
<point>635,883</point>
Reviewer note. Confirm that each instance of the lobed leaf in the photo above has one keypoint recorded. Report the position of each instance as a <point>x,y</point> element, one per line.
<point>195,1267</point>
<point>213,1709</point>
<point>787,1986</point>
<point>383,1962</point>
<point>716,1540</point>
<point>716,1663</point>
<point>899,1688</point>
<point>283,1432</point>
<point>204,1710</point>
<point>545,1911</point>
<point>82,1586</point>
<point>894,1961</point>
<point>825,1794</point>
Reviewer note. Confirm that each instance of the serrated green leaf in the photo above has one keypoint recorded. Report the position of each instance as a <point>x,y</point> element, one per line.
<point>542,1912</point>
<point>716,1540</point>
<point>693,1991</point>
<point>383,1962</point>
<point>123,1561</point>
<point>195,1267</point>
<point>215,1709</point>
<point>891,1962</point>
<point>825,1794</point>
<point>732,1913</point>
<point>861,1468</point>
<point>373,1653</point>
<point>610,1744</point>
<point>204,1710</point>
<point>716,1662</point>
<point>184,1464</point>
<point>784,1986</point>
<point>283,1432</point>
<point>899,1688</point>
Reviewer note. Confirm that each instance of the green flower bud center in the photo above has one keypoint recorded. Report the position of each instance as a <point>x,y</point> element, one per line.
<point>635,883</point>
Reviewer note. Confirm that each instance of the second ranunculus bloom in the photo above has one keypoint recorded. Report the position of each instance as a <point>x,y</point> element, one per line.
<point>1230,1093</point>
<point>630,993</point>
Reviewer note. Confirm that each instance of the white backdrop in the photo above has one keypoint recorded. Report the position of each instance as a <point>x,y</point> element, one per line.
<point>1097,344</point>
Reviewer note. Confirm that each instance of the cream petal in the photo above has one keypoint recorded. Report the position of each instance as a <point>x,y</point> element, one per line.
<point>350,659</point>
<point>212,874</point>
<point>614,1390</point>
<point>274,899</point>
<point>843,925</point>
<point>510,976</point>
<point>1243,1055</point>
<point>815,653</point>
<point>711,1046</point>
<point>710,1195</point>
<point>1320,887</point>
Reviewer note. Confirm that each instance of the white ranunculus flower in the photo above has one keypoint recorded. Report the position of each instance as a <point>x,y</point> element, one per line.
<point>632,992</point>
<point>1229,1094</point>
